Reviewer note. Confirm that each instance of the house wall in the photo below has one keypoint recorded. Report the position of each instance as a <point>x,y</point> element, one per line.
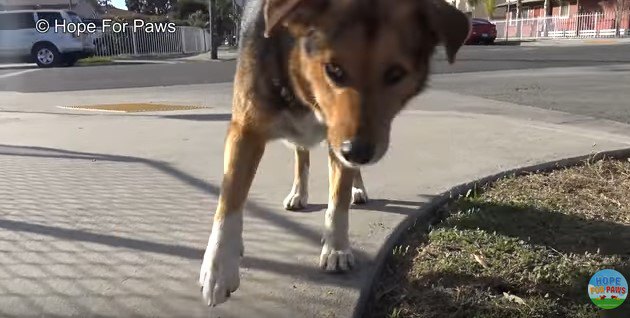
<point>82,7</point>
<point>577,22</point>
<point>479,10</point>
<point>556,10</point>
<point>533,10</point>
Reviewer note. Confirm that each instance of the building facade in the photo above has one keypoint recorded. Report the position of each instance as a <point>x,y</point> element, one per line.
<point>564,8</point>
<point>83,8</point>
<point>479,10</point>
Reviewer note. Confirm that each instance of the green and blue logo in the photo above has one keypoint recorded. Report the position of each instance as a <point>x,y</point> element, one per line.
<point>608,289</point>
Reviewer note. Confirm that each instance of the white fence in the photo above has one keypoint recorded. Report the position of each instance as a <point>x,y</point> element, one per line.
<point>138,43</point>
<point>594,25</point>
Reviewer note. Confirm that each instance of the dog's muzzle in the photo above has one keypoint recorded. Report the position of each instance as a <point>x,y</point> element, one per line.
<point>357,151</point>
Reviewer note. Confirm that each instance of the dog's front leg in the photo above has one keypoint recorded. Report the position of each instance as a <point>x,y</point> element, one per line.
<point>298,197</point>
<point>359,193</point>
<point>219,275</point>
<point>336,254</point>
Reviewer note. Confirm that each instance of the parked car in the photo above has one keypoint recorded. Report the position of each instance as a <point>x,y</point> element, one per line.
<point>21,40</point>
<point>483,32</point>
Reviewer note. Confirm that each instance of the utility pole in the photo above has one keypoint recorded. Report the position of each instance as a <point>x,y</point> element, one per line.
<point>237,22</point>
<point>508,15</point>
<point>214,54</point>
<point>546,7</point>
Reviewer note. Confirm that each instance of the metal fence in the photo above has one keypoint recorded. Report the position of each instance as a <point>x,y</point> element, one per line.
<point>139,43</point>
<point>594,25</point>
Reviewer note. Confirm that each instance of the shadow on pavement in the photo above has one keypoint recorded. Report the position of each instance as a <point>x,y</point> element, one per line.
<point>394,206</point>
<point>201,117</point>
<point>74,219</point>
<point>254,209</point>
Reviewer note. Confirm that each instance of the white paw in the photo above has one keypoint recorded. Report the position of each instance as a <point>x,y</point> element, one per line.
<point>335,260</point>
<point>359,196</point>
<point>295,201</point>
<point>219,275</point>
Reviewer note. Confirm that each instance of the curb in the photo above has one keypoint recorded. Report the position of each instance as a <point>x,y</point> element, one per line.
<point>562,41</point>
<point>429,213</point>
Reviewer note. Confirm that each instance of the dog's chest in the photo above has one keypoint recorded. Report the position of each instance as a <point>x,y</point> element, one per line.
<point>302,128</point>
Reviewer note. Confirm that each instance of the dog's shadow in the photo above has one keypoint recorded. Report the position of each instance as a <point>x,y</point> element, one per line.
<point>394,206</point>
<point>377,205</point>
<point>310,208</point>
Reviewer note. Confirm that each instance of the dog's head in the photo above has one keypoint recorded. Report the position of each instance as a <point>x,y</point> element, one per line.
<point>362,60</point>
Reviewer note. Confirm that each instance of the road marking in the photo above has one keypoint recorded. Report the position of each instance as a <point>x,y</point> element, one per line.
<point>600,41</point>
<point>17,65</point>
<point>133,107</point>
<point>146,62</point>
<point>17,73</point>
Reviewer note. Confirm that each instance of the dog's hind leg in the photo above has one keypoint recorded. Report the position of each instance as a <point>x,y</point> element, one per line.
<point>219,275</point>
<point>359,194</point>
<point>298,197</point>
<point>336,254</point>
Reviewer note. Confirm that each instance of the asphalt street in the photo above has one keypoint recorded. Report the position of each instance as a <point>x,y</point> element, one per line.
<point>587,80</point>
<point>108,214</point>
<point>116,76</point>
<point>471,59</point>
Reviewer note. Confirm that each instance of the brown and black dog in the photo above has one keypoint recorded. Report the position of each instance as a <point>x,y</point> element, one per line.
<point>320,70</point>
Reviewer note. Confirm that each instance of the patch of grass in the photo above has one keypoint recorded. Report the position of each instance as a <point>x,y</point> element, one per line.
<point>95,60</point>
<point>523,247</point>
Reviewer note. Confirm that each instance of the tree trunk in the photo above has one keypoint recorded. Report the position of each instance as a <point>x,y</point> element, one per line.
<point>214,49</point>
<point>546,7</point>
<point>237,22</point>
<point>519,14</point>
<point>619,10</point>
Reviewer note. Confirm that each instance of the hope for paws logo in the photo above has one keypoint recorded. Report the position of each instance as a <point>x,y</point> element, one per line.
<point>608,289</point>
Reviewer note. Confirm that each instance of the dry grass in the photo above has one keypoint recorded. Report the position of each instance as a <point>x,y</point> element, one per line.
<point>595,191</point>
<point>525,247</point>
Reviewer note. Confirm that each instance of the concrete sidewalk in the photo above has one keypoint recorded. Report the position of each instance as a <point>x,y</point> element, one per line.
<point>108,215</point>
<point>564,41</point>
<point>224,53</point>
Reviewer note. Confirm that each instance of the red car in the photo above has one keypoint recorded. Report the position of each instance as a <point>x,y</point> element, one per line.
<point>483,32</point>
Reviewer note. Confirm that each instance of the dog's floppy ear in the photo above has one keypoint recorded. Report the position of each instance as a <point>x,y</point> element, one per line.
<point>451,26</point>
<point>287,11</point>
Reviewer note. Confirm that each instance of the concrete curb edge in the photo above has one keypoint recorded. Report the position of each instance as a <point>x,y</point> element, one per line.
<point>428,213</point>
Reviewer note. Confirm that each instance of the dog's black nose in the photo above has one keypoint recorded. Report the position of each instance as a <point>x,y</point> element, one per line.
<point>357,151</point>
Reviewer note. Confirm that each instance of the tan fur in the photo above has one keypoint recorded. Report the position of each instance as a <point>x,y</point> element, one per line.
<point>298,197</point>
<point>243,151</point>
<point>366,106</point>
<point>358,181</point>
<point>302,163</point>
<point>340,182</point>
<point>339,196</point>
<point>371,43</point>
<point>363,108</point>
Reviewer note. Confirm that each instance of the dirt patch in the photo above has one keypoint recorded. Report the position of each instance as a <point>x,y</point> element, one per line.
<point>523,247</point>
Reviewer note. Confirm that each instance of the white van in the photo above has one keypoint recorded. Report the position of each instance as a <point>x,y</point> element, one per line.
<point>19,38</point>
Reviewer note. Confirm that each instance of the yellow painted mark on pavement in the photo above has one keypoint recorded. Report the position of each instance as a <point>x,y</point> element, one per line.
<point>133,107</point>
<point>600,41</point>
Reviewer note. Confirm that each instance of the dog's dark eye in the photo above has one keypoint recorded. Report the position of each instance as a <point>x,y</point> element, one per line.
<point>335,73</point>
<point>394,75</point>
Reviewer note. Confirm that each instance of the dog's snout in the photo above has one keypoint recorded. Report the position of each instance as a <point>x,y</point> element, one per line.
<point>357,151</point>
